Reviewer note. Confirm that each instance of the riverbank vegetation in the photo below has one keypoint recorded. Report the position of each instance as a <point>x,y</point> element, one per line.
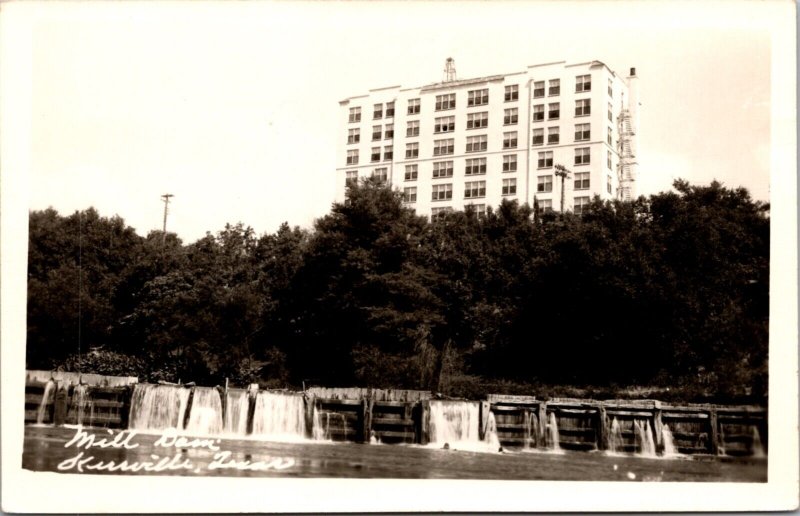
<point>666,296</point>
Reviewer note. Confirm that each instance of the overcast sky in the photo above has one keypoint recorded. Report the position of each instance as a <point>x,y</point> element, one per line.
<point>233,107</point>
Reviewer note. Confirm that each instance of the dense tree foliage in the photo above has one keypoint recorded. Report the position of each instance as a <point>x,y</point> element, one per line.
<point>670,290</point>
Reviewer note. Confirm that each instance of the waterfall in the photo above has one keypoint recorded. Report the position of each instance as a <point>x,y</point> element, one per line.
<point>79,402</point>
<point>158,407</point>
<point>42,412</point>
<point>669,442</point>
<point>527,430</point>
<point>321,430</point>
<point>205,415</point>
<point>490,435</point>
<point>456,424</point>
<point>318,431</point>
<point>552,432</point>
<point>615,441</point>
<point>644,438</point>
<point>237,405</point>
<point>279,417</point>
<point>756,446</point>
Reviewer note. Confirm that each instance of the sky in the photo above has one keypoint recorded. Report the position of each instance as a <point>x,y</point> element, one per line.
<point>233,108</point>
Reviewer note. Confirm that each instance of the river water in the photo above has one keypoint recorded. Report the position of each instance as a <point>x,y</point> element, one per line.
<point>45,450</point>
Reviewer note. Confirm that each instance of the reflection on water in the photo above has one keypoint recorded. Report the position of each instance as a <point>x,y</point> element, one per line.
<point>44,450</point>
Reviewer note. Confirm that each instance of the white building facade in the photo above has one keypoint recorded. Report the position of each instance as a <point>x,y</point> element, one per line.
<point>479,141</point>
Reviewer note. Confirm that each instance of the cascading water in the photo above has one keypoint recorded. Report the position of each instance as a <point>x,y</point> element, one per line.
<point>205,415</point>
<point>158,407</point>
<point>322,419</point>
<point>644,438</point>
<point>42,412</point>
<point>79,403</point>
<point>615,441</point>
<point>527,430</point>
<point>552,433</point>
<point>237,405</point>
<point>669,443</point>
<point>756,446</point>
<point>490,435</point>
<point>279,416</point>
<point>456,424</point>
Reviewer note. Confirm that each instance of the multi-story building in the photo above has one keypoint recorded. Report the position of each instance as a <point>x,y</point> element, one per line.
<point>478,141</point>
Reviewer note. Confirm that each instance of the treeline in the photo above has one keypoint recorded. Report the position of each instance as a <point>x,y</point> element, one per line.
<point>669,291</point>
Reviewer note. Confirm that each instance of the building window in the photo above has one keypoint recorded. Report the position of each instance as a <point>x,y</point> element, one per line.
<point>552,135</point>
<point>581,180</point>
<point>351,177</point>
<point>510,140</point>
<point>390,109</point>
<point>355,115</point>
<point>610,137</point>
<point>444,124</point>
<point>582,132</point>
<point>610,115</point>
<point>538,136</point>
<point>353,135</point>
<point>582,156</point>
<point>544,184</point>
<point>477,120</point>
<point>608,183</point>
<point>377,111</point>
<point>510,116</point>
<point>583,107</point>
<point>442,192</point>
<point>443,147</point>
<point>554,111</point>
<point>412,150</point>
<point>388,153</point>
<point>444,102</point>
<point>412,128</point>
<point>510,163</point>
<point>410,194</point>
<point>474,189</point>
<point>352,157</point>
<point>388,132</point>
<point>477,97</point>
<point>538,113</point>
<point>544,205</point>
<point>538,89</point>
<point>478,209</point>
<point>579,207</point>
<point>413,106</point>
<point>476,143</point>
<point>475,166</point>
<point>376,154</point>
<point>545,159</point>
<point>376,132</point>
<point>583,83</point>
<point>440,212</point>
<point>381,174</point>
<point>608,160</point>
<point>442,169</point>
<point>411,172</point>
<point>610,89</point>
<point>510,186</point>
<point>554,87</point>
<point>512,92</point>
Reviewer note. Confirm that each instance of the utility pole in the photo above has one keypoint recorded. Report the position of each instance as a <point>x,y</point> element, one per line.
<point>563,173</point>
<point>165,198</point>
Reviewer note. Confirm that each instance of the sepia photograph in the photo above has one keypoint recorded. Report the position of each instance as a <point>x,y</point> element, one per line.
<point>419,256</point>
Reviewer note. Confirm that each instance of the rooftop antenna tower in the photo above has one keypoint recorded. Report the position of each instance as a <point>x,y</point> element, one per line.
<point>627,124</point>
<point>449,70</point>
